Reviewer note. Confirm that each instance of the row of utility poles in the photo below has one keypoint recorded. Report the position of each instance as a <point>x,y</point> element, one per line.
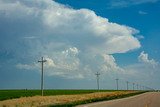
<point>42,61</point>
<point>139,87</point>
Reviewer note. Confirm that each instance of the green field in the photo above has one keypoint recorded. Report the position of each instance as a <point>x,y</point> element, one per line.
<point>10,94</point>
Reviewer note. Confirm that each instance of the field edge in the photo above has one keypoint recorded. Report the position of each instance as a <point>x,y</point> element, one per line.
<point>96,100</point>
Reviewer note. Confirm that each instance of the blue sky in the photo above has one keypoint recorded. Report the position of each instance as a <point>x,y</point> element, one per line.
<point>118,38</point>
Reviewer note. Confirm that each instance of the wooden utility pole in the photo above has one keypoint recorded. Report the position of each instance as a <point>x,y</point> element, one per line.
<point>137,87</point>
<point>42,61</point>
<point>117,82</point>
<point>133,85</point>
<point>97,74</point>
<point>127,84</point>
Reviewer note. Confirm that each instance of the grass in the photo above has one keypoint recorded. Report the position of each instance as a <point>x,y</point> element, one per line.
<point>96,100</point>
<point>10,94</point>
<point>60,98</point>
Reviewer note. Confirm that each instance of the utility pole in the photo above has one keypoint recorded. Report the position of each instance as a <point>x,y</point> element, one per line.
<point>97,74</point>
<point>137,87</point>
<point>127,84</point>
<point>140,87</point>
<point>133,85</point>
<point>42,62</point>
<point>143,88</point>
<point>117,82</point>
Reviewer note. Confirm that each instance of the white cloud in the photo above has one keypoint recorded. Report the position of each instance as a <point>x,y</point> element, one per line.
<point>50,62</point>
<point>65,64</point>
<point>73,41</point>
<point>142,73</point>
<point>143,57</point>
<point>142,12</point>
<point>26,66</point>
<point>30,37</point>
<point>71,51</point>
<point>109,64</point>
<point>127,3</point>
<point>146,71</point>
<point>77,27</point>
<point>139,37</point>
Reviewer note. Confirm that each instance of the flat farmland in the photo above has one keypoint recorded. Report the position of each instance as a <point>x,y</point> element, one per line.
<point>10,94</point>
<point>59,97</point>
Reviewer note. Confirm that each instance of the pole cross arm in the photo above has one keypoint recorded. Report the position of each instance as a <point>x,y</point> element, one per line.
<point>43,61</point>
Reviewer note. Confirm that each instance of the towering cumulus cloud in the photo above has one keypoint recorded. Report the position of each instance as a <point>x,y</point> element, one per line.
<point>74,41</point>
<point>143,57</point>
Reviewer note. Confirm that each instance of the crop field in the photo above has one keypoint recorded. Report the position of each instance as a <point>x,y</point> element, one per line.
<point>10,94</point>
<point>59,98</point>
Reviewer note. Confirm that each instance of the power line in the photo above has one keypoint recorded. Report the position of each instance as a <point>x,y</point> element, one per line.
<point>42,61</point>
<point>97,74</point>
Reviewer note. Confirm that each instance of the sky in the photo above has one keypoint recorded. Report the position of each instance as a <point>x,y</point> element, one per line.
<point>117,38</point>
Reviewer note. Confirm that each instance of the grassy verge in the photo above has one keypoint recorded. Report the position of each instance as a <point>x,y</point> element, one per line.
<point>96,100</point>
